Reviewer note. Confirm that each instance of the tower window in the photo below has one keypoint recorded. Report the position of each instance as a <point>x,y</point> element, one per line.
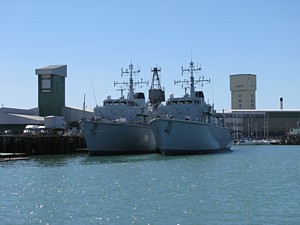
<point>46,83</point>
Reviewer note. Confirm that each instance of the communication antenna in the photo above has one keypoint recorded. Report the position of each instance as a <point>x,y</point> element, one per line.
<point>131,83</point>
<point>83,106</point>
<point>121,90</point>
<point>191,82</point>
<point>93,90</point>
<point>213,90</point>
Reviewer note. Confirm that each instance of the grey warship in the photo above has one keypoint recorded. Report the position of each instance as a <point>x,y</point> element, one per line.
<point>120,125</point>
<point>189,125</point>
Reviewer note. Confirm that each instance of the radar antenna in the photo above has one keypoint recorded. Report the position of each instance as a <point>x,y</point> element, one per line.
<point>121,90</point>
<point>191,83</point>
<point>131,83</point>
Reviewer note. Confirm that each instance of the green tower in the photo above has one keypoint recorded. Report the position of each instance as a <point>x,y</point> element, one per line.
<point>51,89</point>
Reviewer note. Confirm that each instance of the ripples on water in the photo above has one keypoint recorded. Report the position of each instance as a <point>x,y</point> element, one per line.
<point>250,185</point>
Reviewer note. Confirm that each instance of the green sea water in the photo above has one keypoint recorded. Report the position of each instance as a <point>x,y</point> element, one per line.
<point>249,185</point>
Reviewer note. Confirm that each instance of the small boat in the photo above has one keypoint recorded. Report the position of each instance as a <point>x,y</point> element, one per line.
<point>275,142</point>
<point>188,125</point>
<point>263,142</point>
<point>246,142</point>
<point>120,126</point>
<point>253,142</point>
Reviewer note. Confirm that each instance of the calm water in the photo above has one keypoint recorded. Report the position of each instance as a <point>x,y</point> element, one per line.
<point>250,185</point>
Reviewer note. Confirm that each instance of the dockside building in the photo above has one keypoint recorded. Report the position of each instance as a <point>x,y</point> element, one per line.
<point>262,124</point>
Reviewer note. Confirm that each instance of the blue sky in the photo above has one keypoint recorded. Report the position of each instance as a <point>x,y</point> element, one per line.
<point>96,38</point>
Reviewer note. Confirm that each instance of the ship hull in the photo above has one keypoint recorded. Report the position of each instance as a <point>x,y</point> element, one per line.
<point>178,137</point>
<point>108,138</point>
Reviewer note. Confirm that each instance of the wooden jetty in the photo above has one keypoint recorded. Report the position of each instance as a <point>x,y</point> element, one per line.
<point>41,144</point>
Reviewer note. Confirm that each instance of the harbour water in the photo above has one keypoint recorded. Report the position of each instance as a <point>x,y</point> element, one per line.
<point>249,185</point>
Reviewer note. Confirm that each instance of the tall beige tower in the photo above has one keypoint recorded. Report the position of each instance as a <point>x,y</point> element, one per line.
<point>243,88</point>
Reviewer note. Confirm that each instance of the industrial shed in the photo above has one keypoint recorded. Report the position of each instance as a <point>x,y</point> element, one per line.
<point>15,120</point>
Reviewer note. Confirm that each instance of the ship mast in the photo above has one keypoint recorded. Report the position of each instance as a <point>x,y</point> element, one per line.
<point>131,83</point>
<point>156,93</point>
<point>192,80</point>
<point>155,84</point>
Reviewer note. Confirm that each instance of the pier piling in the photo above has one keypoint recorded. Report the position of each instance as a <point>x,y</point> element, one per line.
<point>41,144</point>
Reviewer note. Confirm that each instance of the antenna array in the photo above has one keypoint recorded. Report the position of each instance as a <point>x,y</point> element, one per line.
<point>191,82</point>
